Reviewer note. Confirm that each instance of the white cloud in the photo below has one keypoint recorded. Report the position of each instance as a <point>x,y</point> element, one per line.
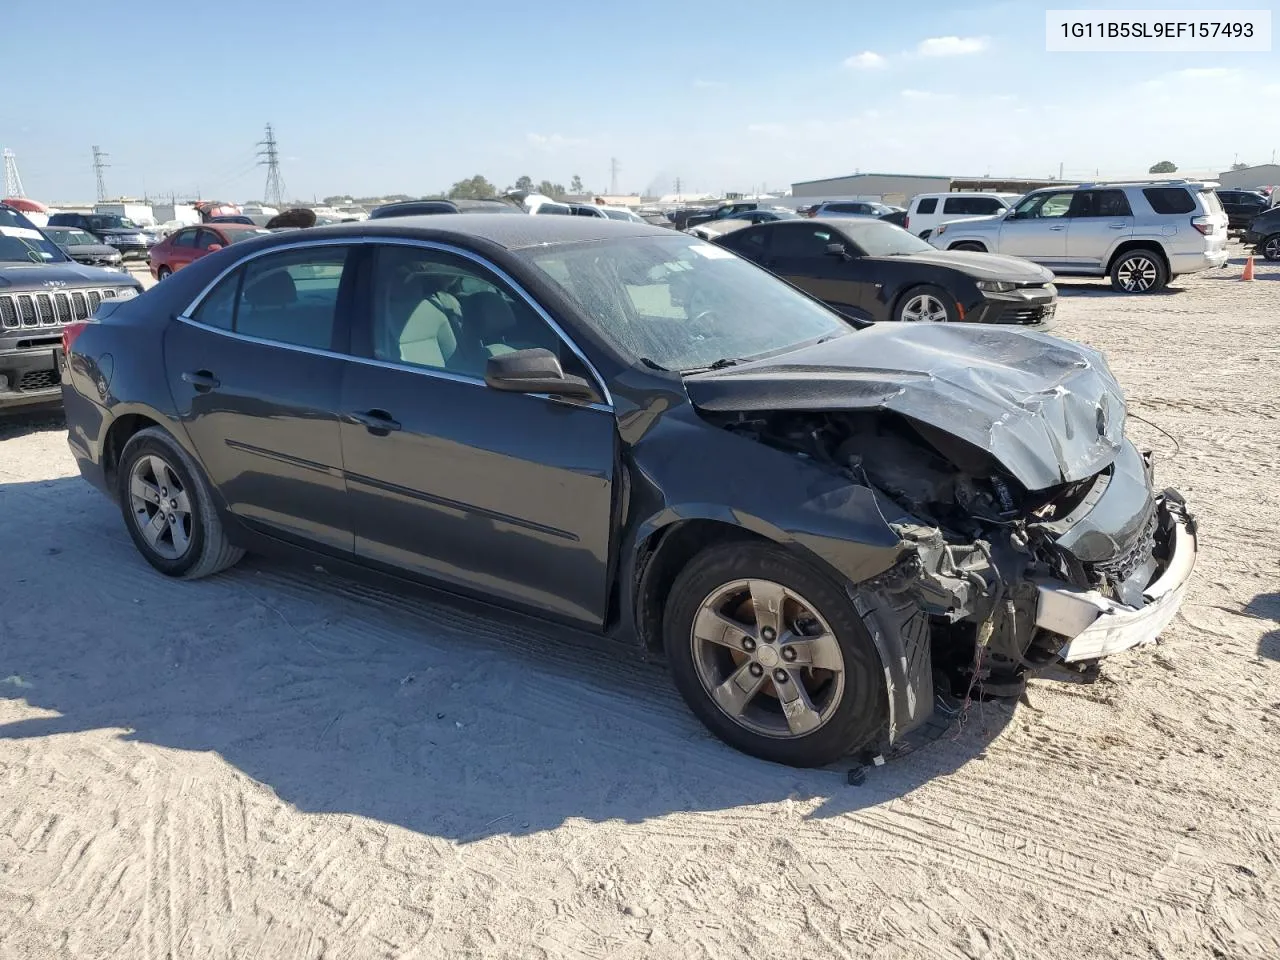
<point>951,46</point>
<point>551,143</point>
<point>925,95</point>
<point>866,60</point>
<point>1207,73</point>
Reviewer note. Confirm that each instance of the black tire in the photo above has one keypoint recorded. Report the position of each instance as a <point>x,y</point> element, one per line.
<point>926,234</point>
<point>163,272</point>
<point>1269,248</point>
<point>973,245</point>
<point>861,713</point>
<point>946,300</point>
<point>1141,270</point>
<point>208,550</point>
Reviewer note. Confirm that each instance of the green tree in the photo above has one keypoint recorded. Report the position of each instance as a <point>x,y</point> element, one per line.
<point>525,184</point>
<point>575,185</point>
<point>1164,166</point>
<point>476,188</point>
<point>1238,165</point>
<point>549,189</point>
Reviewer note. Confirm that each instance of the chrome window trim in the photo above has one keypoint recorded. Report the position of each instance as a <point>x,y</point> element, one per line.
<point>186,314</point>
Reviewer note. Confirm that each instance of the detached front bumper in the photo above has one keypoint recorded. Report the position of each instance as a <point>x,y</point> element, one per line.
<point>1096,626</point>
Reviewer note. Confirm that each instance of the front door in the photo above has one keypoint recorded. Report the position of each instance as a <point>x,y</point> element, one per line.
<point>505,494</point>
<point>798,253</point>
<point>256,374</point>
<point>1037,228</point>
<point>182,248</point>
<point>1099,220</point>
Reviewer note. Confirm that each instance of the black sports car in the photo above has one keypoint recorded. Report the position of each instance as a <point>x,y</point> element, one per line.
<point>872,270</point>
<point>635,432</point>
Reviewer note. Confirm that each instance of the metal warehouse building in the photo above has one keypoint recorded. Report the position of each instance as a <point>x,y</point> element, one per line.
<point>1251,178</point>
<point>898,188</point>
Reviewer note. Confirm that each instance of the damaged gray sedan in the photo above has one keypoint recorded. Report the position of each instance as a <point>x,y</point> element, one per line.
<point>638,433</point>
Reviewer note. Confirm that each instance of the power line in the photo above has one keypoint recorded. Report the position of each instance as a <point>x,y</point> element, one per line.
<point>12,179</point>
<point>100,164</point>
<point>274,193</point>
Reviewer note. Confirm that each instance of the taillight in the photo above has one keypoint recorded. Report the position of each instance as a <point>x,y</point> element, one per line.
<point>906,222</point>
<point>1204,224</point>
<point>71,332</point>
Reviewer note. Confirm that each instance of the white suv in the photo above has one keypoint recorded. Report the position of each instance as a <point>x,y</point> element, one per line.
<point>1140,234</point>
<point>927,210</point>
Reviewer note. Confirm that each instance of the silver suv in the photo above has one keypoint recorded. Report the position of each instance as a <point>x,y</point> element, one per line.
<point>1141,234</point>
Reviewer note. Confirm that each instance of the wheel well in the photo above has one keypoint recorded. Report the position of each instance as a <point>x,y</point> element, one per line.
<point>968,245</point>
<point>118,435</point>
<point>662,556</point>
<point>1130,245</point>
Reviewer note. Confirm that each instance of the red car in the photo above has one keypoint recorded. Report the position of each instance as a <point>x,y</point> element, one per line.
<point>191,243</point>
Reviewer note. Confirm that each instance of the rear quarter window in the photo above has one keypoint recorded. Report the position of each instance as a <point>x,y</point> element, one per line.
<point>928,206</point>
<point>1171,200</point>
<point>1211,202</point>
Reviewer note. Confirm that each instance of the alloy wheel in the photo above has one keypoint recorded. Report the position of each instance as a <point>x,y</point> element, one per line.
<point>1271,248</point>
<point>924,307</point>
<point>1137,274</point>
<point>161,507</point>
<point>767,659</point>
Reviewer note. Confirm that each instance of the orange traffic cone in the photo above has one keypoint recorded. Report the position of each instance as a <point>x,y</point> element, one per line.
<point>1248,269</point>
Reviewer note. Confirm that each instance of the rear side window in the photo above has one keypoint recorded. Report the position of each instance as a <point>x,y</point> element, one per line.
<point>1169,200</point>
<point>974,206</point>
<point>928,206</point>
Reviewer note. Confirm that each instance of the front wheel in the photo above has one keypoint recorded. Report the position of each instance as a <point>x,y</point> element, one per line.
<point>772,657</point>
<point>168,508</point>
<point>1270,247</point>
<point>1139,271</point>
<point>926,304</point>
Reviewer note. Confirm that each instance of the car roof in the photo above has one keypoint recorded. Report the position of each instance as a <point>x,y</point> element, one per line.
<point>233,225</point>
<point>513,233</point>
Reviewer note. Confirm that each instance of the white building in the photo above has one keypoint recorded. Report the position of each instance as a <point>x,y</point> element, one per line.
<point>1251,178</point>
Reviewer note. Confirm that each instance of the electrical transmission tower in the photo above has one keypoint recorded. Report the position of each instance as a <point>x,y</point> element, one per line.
<point>613,176</point>
<point>12,179</point>
<point>270,154</point>
<point>100,164</point>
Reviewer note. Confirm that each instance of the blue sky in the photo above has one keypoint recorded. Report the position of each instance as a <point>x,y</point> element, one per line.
<point>383,96</point>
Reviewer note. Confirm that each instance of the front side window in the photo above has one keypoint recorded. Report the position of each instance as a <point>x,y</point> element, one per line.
<point>208,239</point>
<point>435,310</point>
<point>802,242</point>
<point>683,303</point>
<point>185,238</point>
<point>1041,206</point>
<point>289,298</point>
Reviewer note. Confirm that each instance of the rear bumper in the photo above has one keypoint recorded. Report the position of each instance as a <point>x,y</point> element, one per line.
<point>1195,262</point>
<point>1096,626</point>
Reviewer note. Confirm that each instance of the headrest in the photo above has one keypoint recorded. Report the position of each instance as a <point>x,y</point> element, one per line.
<point>274,290</point>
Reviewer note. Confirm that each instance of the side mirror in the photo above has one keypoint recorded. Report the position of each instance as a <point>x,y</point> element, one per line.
<point>213,246</point>
<point>837,250</point>
<point>534,371</point>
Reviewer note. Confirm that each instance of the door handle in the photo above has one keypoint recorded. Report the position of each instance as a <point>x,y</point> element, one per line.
<point>202,380</point>
<point>377,422</point>
<point>1117,226</point>
<point>1060,227</point>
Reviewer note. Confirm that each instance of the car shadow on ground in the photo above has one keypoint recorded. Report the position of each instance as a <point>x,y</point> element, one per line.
<point>394,703</point>
<point>24,420</point>
<point>1103,288</point>
<point>1266,606</point>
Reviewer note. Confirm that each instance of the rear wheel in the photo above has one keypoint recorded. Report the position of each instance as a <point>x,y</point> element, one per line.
<point>168,509</point>
<point>926,304</point>
<point>1139,271</point>
<point>163,272</point>
<point>772,656</point>
<point>1270,247</point>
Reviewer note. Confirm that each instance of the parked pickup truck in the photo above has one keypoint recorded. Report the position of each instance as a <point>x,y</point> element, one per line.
<point>41,289</point>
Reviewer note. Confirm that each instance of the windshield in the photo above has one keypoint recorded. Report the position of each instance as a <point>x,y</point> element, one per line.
<point>71,237</point>
<point>683,303</point>
<point>21,242</point>
<point>112,223</point>
<point>235,236</point>
<point>878,238</point>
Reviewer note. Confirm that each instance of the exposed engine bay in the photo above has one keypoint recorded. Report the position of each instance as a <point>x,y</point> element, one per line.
<point>983,550</point>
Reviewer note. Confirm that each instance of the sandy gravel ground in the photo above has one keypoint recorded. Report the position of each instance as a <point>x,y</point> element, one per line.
<point>278,764</point>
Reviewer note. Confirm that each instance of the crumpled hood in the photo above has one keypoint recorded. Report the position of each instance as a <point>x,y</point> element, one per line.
<point>1047,410</point>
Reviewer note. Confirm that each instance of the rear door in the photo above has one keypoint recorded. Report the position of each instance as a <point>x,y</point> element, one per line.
<point>1037,228</point>
<point>256,373</point>
<point>1099,220</point>
<point>504,494</point>
<point>798,254</point>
